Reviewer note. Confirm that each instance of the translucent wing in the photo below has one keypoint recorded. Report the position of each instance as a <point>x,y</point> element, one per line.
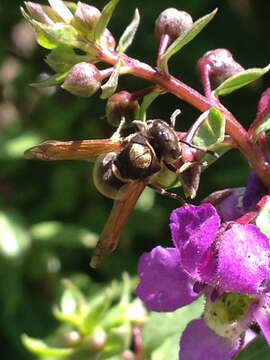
<point>117,220</point>
<point>73,150</point>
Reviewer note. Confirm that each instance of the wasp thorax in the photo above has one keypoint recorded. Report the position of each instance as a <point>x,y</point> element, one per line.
<point>141,156</point>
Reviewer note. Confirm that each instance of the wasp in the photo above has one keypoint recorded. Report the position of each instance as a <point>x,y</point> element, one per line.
<point>124,166</point>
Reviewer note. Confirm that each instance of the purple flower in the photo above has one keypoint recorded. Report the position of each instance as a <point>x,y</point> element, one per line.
<point>228,263</point>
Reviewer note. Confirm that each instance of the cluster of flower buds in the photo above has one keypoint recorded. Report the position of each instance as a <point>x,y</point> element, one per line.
<point>69,31</point>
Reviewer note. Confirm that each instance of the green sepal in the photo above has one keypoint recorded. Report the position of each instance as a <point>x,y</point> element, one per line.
<point>212,131</point>
<point>111,84</point>
<point>106,15</point>
<point>264,126</point>
<point>40,348</point>
<point>240,80</point>
<point>51,81</point>
<point>185,38</point>
<point>129,33</point>
<point>263,219</point>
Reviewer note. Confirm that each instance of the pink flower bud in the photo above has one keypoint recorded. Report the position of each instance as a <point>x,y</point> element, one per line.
<point>86,17</point>
<point>83,80</point>
<point>121,105</point>
<point>38,12</point>
<point>220,65</point>
<point>173,22</point>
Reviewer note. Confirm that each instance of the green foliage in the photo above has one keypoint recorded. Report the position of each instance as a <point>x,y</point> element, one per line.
<point>185,38</point>
<point>239,80</point>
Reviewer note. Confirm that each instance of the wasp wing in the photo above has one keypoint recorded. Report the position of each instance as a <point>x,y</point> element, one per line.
<point>117,220</point>
<point>73,150</point>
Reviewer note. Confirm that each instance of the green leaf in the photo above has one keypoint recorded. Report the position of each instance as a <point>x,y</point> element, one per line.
<point>219,148</point>
<point>63,58</point>
<point>55,233</point>
<point>53,35</point>
<point>264,126</point>
<point>39,347</point>
<point>96,311</point>
<point>14,238</point>
<point>161,326</point>
<point>257,349</point>
<point>212,131</point>
<point>104,19</point>
<point>239,80</point>
<point>129,34</point>
<point>185,38</point>
<point>110,86</point>
<point>13,147</point>
<point>51,81</point>
<point>147,101</point>
<point>168,350</point>
<point>263,219</point>
<point>118,339</point>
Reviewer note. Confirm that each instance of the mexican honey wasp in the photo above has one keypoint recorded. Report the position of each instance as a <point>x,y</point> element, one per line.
<point>124,166</point>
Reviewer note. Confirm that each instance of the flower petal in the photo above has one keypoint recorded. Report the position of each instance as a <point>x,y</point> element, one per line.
<point>163,285</point>
<point>243,260</point>
<point>199,342</point>
<point>254,192</point>
<point>194,229</point>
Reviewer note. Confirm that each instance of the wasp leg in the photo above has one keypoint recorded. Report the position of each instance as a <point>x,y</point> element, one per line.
<point>162,191</point>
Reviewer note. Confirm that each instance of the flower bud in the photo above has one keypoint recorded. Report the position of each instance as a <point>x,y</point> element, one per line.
<point>83,80</point>
<point>86,17</point>
<point>98,340</point>
<point>108,40</point>
<point>221,65</point>
<point>121,105</point>
<point>173,22</point>
<point>228,203</point>
<point>73,338</point>
<point>38,12</point>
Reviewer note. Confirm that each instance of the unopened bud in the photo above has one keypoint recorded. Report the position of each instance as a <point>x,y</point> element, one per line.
<point>98,340</point>
<point>221,65</point>
<point>86,17</point>
<point>83,80</point>
<point>128,355</point>
<point>121,105</point>
<point>228,203</point>
<point>38,12</point>
<point>73,338</point>
<point>173,22</point>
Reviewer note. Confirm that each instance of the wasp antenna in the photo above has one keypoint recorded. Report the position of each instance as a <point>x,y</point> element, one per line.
<point>139,124</point>
<point>116,134</point>
<point>174,116</point>
<point>210,152</point>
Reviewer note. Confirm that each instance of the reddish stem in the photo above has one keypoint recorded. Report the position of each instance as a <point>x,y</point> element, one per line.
<point>170,84</point>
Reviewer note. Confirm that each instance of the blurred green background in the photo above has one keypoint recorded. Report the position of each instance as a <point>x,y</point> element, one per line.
<point>50,213</point>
